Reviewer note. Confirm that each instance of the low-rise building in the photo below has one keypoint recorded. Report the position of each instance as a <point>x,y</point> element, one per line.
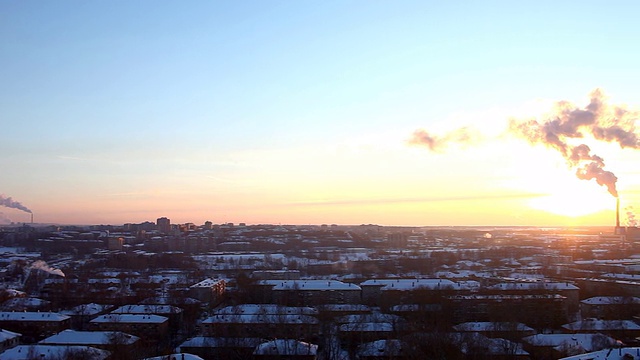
<point>34,325</point>
<point>288,349</point>
<point>221,347</point>
<point>312,292</point>
<point>106,340</point>
<point>210,291</point>
<point>173,313</point>
<point>8,339</point>
<point>554,346</point>
<point>46,352</point>
<point>537,311</point>
<point>506,330</point>
<point>152,328</point>
<point>262,326</point>
<point>625,330</point>
<point>610,307</point>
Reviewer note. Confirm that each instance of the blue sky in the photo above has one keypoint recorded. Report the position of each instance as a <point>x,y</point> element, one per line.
<point>126,98</point>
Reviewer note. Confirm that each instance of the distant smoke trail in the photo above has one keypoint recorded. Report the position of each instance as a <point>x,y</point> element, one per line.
<point>10,203</point>
<point>437,143</point>
<point>603,122</point>
<point>41,265</point>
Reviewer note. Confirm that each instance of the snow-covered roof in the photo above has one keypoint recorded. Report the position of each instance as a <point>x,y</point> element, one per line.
<point>7,335</point>
<point>147,309</point>
<point>343,307</point>
<point>586,342</point>
<point>491,326</point>
<point>381,348</point>
<point>177,356</point>
<point>490,346</point>
<point>207,342</point>
<point>261,319</point>
<point>45,352</point>
<point>287,347</point>
<point>309,285</point>
<point>129,318</point>
<point>627,353</point>
<point>73,337</point>
<point>207,283</point>
<point>600,325</point>
<point>265,309</point>
<point>19,303</point>
<point>367,327</point>
<point>86,309</point>
<point>536,285</point>
<point>413,284</point>
<point>374,317</point>
<point>32,316</point>
<point>611,300</point>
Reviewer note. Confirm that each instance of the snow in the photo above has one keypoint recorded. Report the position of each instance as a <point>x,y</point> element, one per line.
<point>72,337</point>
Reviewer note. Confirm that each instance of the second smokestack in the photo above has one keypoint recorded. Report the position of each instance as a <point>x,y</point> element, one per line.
<point>617,213</point>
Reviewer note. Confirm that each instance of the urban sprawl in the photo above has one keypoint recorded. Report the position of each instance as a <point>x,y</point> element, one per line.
<point>158,290</point>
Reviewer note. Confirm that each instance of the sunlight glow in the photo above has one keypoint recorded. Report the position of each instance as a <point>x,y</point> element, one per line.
<point>574,202</point>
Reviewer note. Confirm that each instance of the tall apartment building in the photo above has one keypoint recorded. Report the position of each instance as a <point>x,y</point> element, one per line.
<point>164,225</point>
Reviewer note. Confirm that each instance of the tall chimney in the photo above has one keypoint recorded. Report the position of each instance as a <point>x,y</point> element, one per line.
<point>617,213</point>
<point>31,218</point>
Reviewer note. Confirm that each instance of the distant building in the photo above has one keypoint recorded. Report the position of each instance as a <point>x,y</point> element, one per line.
<point>106,340</point>
<point>389,292</point>
<point>538,311</point>
<point>255,323</point>
<point>164,225</point>
<point>391,349</point>
<point>148,327</point>
<point>276,275</point>
<point>610,307</point>
<point>115,243</point>
<point>285,349</point>
<point>209,290</point>
<point>555,346</point>
<point>221,347</point>
<point>173,313</point>
<point>30,352</point>
<point>34,325</point>
<point>313,292</point>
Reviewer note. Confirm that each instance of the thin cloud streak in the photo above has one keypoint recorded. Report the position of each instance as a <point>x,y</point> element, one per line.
<point>416,200</point>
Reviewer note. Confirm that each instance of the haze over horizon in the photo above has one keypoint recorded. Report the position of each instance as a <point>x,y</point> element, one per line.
<point>406,113</point>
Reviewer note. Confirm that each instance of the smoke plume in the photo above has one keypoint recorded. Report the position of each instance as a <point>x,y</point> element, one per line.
<point>41,265</point>
<point>437,143</point>
<point>10,203</point>
<point>609,123</point>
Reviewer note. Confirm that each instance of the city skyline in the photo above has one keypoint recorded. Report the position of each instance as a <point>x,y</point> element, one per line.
<point>310,113</point>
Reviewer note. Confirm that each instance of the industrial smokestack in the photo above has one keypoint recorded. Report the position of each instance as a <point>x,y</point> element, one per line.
<point>617,214</point>
<point>31,218</point>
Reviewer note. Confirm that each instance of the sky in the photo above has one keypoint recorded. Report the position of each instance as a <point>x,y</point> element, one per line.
<point>302,112</point>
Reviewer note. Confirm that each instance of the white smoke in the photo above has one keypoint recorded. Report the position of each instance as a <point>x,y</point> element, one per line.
<point>41,265</point>
<point>560,131</point>
<point>608,123</point>
<point>10,203</point>
<point>463,135</point>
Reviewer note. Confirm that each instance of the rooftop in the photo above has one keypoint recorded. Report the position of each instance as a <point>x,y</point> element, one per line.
<point>72,337</point>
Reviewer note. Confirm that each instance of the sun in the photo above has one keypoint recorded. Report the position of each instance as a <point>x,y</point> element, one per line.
<point>575,201</point>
